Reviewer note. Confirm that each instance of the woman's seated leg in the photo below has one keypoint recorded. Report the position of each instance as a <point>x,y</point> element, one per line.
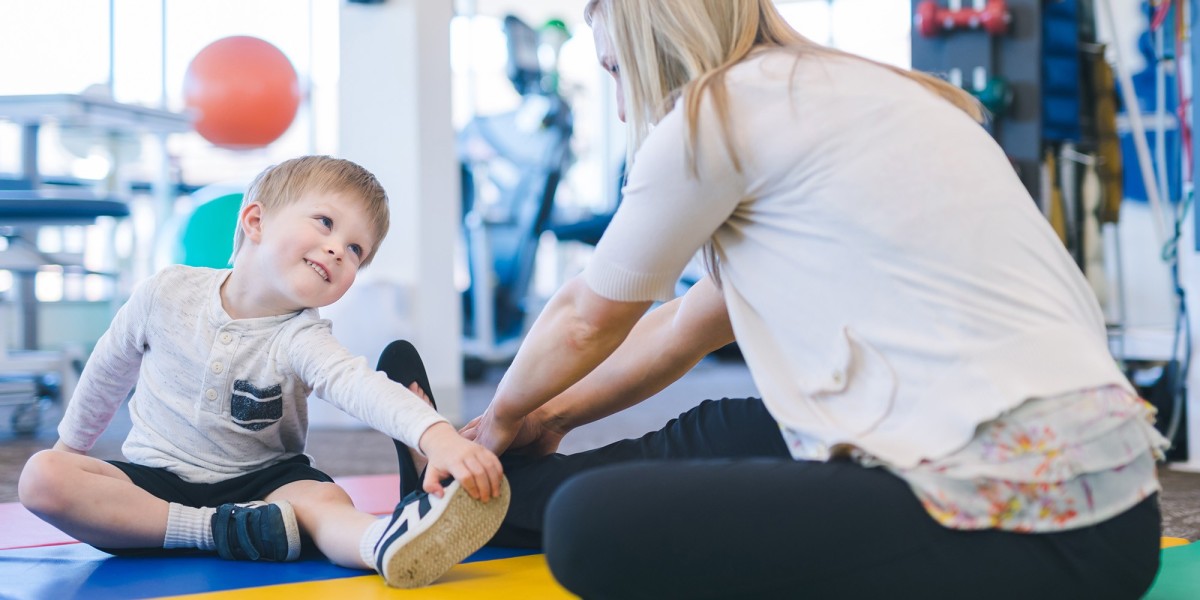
<point>769,528</point>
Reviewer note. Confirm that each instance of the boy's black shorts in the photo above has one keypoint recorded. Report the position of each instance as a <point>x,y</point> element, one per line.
<point>243,488</point>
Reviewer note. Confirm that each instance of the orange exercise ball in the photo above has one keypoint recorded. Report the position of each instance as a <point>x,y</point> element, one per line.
<point>243,90</point>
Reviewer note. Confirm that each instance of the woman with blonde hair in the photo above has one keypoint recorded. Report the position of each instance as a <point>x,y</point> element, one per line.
<point>940,414</point>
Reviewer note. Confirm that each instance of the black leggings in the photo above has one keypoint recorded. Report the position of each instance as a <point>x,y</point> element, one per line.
<point>713,506</point>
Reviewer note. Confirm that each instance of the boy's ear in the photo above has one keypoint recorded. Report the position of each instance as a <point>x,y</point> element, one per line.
<point>250,220</point>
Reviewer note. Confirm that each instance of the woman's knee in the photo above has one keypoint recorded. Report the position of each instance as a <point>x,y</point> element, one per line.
<point>590,536</point>
<point>44,486</point>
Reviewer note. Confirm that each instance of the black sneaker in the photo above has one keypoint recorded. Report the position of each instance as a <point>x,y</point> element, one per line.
<point>428,535</point>
<point>402,364</point>
<point>256,531</point>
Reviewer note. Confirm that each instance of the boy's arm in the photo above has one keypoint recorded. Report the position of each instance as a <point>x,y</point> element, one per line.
<point>346,381</point>
<point>60,446</point>
<point>109,373</point>
<point>349,383</point>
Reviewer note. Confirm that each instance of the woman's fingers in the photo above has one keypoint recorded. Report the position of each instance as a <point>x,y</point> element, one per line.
<point>471,429</point>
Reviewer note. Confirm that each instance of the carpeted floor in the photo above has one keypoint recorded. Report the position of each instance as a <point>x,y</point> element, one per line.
<point>366,452</point>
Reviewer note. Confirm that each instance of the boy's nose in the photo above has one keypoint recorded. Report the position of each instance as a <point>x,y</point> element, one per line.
<point>334,254</point>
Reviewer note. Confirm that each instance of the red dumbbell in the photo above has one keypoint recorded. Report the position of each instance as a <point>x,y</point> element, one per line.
<point>933,20</point>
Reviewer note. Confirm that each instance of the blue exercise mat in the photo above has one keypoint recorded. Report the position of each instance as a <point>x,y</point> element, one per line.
<point>78,571</point>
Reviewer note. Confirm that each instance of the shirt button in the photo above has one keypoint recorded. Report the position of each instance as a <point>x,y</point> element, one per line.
<point>216,367</point>
<point>211,394</point>
<point>838,377</point>
<point>226,338</point>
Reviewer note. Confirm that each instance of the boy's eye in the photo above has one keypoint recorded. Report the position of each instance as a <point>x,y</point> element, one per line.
<point>356,249</point>
<point>326,221</point>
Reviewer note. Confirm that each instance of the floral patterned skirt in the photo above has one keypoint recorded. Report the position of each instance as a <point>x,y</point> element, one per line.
<point>1051,464</point>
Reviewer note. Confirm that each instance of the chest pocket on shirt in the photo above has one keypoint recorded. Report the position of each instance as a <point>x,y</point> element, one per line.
<point>858,394</point>
<point>256,408</point>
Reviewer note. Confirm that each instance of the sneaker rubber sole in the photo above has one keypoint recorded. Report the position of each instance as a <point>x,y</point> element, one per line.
<point>464,526</point>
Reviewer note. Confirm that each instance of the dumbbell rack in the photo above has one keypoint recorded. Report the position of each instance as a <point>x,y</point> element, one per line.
<point>1015,57</point>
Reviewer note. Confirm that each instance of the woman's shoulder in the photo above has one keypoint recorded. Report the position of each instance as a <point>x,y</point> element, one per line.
<point>802,65</point>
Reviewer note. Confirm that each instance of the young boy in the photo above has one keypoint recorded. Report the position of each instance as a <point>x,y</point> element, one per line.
<point>223,361</point>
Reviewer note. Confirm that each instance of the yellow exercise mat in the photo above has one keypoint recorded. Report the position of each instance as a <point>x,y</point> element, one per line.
<point>1171,542</point>
<point>516,578</point>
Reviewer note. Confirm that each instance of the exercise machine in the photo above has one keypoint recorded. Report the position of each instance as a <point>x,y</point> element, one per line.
<point>512,164</point>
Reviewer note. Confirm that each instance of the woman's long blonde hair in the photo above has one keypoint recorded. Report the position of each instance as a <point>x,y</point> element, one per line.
<point>671,48</point>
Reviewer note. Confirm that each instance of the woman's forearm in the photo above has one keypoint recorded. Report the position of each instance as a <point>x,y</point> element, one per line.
<point>663,346</point>
<point>576,331</point>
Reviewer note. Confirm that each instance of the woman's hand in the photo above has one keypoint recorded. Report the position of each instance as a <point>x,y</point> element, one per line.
<point>495,434</point>
<point>535,436</point>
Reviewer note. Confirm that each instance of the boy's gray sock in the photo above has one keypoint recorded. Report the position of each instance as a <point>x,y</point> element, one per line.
<point>189,527</point>
<point>366,547</point>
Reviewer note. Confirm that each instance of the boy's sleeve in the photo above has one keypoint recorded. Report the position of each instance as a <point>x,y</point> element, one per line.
<point>110,372</point>
<point>349,383</point>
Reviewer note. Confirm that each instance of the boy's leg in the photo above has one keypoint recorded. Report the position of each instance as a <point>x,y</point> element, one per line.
<point>327,514</point>
<point>423,538</point>
<point>92,501</point>
<point>132,510</point>
<point>425,535</point>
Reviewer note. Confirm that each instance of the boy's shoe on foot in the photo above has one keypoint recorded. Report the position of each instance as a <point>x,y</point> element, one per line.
<point>256,531</point>
<point>427,535</point>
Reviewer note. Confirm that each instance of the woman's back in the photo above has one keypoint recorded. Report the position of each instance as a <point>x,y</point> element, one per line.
<point>875,240</point>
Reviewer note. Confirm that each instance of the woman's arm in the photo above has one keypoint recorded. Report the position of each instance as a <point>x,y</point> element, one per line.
<point>661,347</point>
<point>575,332</point>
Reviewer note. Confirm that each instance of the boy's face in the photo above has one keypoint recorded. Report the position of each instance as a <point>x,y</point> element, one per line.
<point>313,248</point>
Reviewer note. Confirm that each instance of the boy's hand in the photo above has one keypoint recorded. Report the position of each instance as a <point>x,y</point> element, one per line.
<point>451,455</point>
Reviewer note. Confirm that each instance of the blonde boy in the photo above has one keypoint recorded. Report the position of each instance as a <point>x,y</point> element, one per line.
<point>223,361</point>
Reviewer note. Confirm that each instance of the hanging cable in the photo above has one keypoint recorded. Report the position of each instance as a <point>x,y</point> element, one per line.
<point>1160,15</point>
<point>1133,109</point>
<point>1170,255</point>
<point>1171,251</point>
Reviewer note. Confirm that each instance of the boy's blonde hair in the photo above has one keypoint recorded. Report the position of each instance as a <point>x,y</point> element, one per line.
<point>669,48</point>
<point>288,181</point>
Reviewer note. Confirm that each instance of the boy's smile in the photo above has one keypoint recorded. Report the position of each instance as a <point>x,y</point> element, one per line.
<point>319,268</point>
